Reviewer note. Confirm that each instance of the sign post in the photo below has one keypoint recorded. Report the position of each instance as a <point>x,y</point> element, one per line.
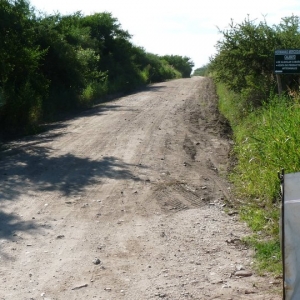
<point>286,61</point>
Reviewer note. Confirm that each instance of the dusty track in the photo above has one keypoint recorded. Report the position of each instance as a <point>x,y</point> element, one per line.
<point>137,183</point>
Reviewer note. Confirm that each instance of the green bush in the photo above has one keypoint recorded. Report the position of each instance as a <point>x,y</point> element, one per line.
<point>266,140</point>
<point>182,64</point>
<point>53,63</point>
<point>23,87</point>
<point>202,71</point>
<point>245,57</point>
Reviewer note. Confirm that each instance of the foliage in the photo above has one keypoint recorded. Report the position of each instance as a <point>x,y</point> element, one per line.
<point>244,59</point>
<point>202,71</point>
<point>54,63</point>
<point>183,64</point>
<point>272,142</point>
<point>266,140</point>
<point>22,85</point>
<point>265,125</point>
<point>159,70</point>
<point>267,254</point>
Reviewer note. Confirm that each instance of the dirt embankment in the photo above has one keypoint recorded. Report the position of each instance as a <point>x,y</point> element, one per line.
<point>126,201</point>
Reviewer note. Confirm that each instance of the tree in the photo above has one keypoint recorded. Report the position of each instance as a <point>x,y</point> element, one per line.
<point>22,86</point>
<point>245,56</point>
<point>202,71</point>
<point>183,64</point>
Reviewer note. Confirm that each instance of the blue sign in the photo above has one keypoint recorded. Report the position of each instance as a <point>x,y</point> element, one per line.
<point>287,61</point>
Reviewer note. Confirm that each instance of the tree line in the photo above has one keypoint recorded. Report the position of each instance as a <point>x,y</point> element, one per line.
<point>54,63</point>
<point>244,61</point>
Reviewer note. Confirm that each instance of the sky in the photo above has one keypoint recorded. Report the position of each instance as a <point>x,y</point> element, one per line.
<point>186,27</point>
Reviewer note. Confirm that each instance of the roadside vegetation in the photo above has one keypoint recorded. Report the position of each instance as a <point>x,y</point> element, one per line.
<point>202,71</point>
<point>56,63</point>
<point>265,125</point>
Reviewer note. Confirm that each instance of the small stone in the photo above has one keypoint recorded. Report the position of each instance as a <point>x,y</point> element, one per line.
<point>96,261</point>
<point>243,273</point>
<point>240,267</point>
<point>232,213</point>
<point>61,236</point>
<point>275,282</point>
<point>79,287</point>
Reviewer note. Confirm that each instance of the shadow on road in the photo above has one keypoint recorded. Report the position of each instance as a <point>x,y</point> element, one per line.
<point>28,167</point>
<point>32,169</point>
<point>10,226</point>
<point>11,223</point>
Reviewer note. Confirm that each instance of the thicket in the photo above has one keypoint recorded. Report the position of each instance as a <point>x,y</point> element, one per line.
<point>54,63</point>
<point>265,125</point>
<point>202,71</point>
<point>245,58</point>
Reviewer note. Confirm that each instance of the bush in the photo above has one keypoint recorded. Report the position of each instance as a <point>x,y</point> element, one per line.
<point>23,87</point>
<point>266,140</point>
<point>245,55</point>
<point>55,63</point>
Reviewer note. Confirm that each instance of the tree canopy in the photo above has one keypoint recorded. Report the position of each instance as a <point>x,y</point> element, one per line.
<point>245,56</point>
<point>51,63</point>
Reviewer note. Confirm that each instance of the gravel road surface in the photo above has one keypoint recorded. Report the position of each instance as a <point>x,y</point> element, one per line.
<point>126,201</point>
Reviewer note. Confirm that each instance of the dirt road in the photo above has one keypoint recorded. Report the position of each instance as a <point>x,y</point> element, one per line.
<point>126,201</point>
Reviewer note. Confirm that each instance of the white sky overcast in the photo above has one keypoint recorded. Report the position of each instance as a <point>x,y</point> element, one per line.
<point>185,27</point>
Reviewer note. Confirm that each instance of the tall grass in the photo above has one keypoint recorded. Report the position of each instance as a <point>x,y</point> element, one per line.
<point>266,140</point>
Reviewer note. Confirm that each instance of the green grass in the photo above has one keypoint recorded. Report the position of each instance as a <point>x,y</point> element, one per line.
<point>267,254</point>
<point>266,140</point>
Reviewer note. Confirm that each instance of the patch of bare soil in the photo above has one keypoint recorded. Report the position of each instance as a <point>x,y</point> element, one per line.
<point>126,201</point>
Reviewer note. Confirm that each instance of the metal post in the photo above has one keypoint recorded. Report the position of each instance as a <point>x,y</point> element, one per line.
<point>279,83</point>
<point>281,178</point>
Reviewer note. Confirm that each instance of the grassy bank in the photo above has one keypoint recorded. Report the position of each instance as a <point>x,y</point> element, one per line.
<point>266,140</point>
